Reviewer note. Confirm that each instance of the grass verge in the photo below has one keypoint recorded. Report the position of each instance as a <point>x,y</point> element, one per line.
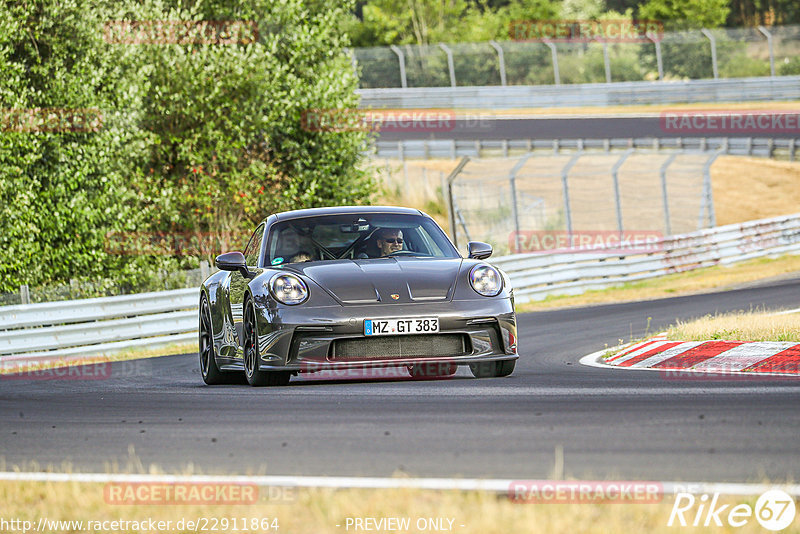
<point>687,283</point>
<point>739,326</point>
<point>322,511</point>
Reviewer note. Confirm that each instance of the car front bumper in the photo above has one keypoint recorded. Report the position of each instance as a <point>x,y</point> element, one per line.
<point>304,339</point>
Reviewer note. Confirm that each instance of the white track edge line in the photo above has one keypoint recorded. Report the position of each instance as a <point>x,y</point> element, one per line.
<point>466,484</point>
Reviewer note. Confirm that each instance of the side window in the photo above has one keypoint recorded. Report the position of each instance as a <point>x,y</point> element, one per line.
<point>254,246</point>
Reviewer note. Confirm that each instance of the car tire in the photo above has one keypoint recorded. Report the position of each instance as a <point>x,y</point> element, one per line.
<point>255,376</point>
<point>492,369</point>
<point>208,361</point>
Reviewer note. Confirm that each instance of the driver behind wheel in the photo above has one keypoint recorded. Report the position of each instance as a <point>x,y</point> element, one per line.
<point>389,240</point>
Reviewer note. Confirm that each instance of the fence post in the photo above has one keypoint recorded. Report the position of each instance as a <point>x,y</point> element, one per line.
<point>554,55</point>
<point>657,42</point>
<point>708,197</point>
<point>606,62</point>
<point>512,182</point>
<point>353,61</point>
<point>401,58</point>
<point>501,60</point>
<point>24,294</point>
<point>615,177</point>
<point>565,192</point>
<point>451,211</point>
<point>450,66</point>
<point>768,35</point>
<point>713,41</point>
<point>664,197</point>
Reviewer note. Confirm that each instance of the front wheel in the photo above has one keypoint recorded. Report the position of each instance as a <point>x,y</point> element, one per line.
<point>256,377</point>
<point>492,369</point>
<point>208,362</point>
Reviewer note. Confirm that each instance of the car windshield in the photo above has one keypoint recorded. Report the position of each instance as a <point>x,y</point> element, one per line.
<point>356,237</point>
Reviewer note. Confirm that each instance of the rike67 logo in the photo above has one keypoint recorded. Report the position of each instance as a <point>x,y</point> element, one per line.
<point>774,510</point>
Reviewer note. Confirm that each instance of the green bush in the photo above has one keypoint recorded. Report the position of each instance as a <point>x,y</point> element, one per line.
<point>194,137</point>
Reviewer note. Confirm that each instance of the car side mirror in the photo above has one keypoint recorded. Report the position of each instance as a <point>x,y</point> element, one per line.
<point>479,250</point>
<point>233,261</point>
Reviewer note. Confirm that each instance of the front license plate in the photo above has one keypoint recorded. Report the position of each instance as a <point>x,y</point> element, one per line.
<point>392,327</point>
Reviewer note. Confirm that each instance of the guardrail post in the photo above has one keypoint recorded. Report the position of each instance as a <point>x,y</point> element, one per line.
<point>450,202</point>
<point>501,60</point>
<point>713,41</point>
<point>401,58</point>
<point>450,66</point>
<point>24,294</point>
<point>657,42</point>
<point>615,176</point>
<point>768,35</point>
<point>512,182</point>
<point>664,196</point>
<point>554,55</point>
<point>205,269</point>
<point>565,192</point>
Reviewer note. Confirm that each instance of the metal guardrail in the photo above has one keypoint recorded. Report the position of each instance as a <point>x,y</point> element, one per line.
<point>535,276</point>
<point>781,148</point>
<point>92,327</point>
<point>758,89</point>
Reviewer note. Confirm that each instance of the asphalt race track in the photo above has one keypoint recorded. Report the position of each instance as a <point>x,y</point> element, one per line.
<point>611,423</point>
<point>484,126</point>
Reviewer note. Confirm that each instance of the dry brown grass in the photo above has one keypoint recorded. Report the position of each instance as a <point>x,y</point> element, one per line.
<point>321,511</point>
<point>739,326</point>
<point>746,189</point>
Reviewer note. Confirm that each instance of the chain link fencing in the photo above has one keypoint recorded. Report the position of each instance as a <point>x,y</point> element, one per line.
<point>695,54</point>
<point>505,201</point>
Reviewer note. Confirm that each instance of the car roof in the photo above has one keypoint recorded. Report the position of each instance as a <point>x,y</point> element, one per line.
<point>345,210</point>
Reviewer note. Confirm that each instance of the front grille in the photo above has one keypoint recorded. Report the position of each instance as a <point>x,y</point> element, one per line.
<point>387,347</point>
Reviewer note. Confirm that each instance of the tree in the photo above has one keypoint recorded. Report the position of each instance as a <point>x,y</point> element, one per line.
<point>686,14</point>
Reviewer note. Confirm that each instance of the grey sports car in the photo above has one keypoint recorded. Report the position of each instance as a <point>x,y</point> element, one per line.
<point>354,288</point>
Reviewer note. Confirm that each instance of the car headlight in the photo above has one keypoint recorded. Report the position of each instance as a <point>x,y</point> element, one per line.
<point>288,288</point>
<point>486,280</point>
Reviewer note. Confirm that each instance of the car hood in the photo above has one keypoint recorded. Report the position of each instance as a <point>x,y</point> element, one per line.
<point>385,280</point>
